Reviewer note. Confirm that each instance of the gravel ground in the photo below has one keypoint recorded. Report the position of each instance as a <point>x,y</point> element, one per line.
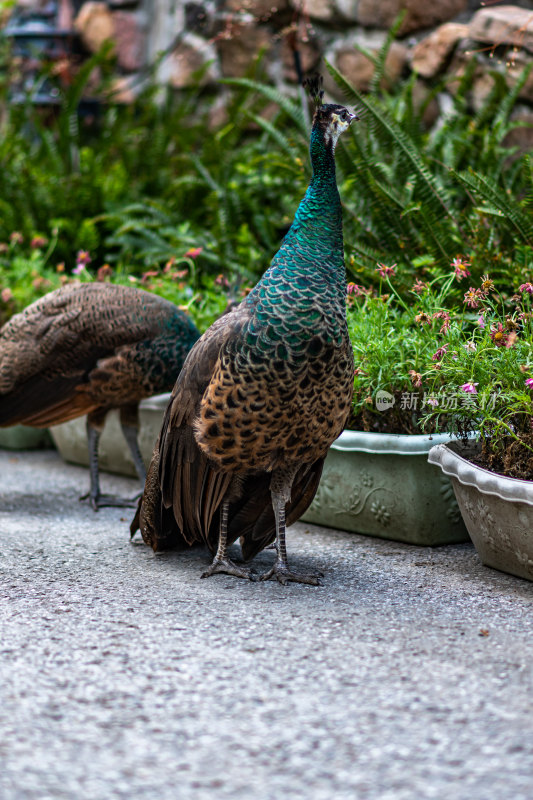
<point>407,675</point>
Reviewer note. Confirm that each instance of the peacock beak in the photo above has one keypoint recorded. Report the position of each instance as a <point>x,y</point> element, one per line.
<point>354,118</point>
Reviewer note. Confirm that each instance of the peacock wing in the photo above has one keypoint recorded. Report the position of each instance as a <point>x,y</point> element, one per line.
<point>67,353</point>
<point>190,483</point>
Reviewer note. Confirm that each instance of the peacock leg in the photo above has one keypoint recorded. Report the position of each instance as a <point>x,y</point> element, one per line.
<point>94,497</point>
<point>280,491</point>
<point>130,435</point>
<point>221,562</point>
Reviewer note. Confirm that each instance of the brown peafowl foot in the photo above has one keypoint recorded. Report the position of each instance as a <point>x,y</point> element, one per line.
<point>228,567</point>
<point>284,575</point>
<point>97,501</point>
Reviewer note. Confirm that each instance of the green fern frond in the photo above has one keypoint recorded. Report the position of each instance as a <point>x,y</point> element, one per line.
<point>494,196</point>
<point>292,109</point>
<point>379,118</point>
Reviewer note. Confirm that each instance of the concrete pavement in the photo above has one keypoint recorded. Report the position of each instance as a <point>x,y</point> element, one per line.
<point>407,675</point>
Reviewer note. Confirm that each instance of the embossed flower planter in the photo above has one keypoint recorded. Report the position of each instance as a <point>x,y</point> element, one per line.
<point>71,438</point>
<point>498,511</point>
<point>381,484</point>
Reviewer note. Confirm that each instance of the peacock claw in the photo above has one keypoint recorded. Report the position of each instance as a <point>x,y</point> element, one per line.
<point>284,575</point>
<point>228,567</point>
<point>108,500</point>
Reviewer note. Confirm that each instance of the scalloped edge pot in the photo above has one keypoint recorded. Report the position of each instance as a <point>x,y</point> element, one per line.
<point>114,455</point>
<point>382,485</point>
<point>498,511</point>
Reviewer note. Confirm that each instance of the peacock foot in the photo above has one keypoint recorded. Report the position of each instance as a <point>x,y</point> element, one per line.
<point>228,567</point>
<point>97,501</point>
<point>284,575</point>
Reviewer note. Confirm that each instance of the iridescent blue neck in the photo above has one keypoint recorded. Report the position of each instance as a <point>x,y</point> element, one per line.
<point>319,213</point>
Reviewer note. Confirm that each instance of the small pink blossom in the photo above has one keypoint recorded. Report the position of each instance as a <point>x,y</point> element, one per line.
<point>469,388</point>
<point>385,271</point>
<point>440,353</point>
<point>446,321</point>
<point>529,383</point>
<point>419,287</point>
<point>193,252</point>
<point>416,377</point>
<point>104,272</point>
<point>82,259</point>
<point>6,295</point>
<point>16,238</point>
<point>37,242</point>
<point>472,297</point>
<point>460,268</point>
<point>499,335</point>
<point>356,290</point>
<point>221,280</point>
<point>481,321</point>
<point>526,287</point>
<point>470,346</point>
<point>78,269</point>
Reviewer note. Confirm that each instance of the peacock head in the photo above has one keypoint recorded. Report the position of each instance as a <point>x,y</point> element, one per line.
<point>330,119</point>
<point>333,120</point>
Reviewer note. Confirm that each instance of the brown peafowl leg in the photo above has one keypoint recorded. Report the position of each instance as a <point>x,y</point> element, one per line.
<point>129,422</point>
<point>280,486</point>
<point>221,562</point>
<point>94,497</point>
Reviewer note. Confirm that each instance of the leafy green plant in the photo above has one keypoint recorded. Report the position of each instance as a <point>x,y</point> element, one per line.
<point>395,345</point>
<point>485,378</point>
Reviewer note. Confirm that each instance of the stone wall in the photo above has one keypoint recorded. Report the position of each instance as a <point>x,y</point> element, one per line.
<point>224,38</point>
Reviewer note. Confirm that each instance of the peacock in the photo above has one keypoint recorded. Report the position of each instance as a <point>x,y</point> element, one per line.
<point>86,349</point>
<point>262,394</point>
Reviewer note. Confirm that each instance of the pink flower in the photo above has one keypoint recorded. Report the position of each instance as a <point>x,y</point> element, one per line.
<point>499,335</point>
<point>78,269</point>
<point>356,290</point>
<point>529,383</point>
<point>16,238</point>
<point>481,321</point>
<point>37,242</point>
<point>526,287</point>
<point>221,280</point>
<point>460,267</point>
<point>416,377</point>
<point>446,321</point>
<point>469,388</point>
<point>384,271</point>
<point>82,259</point>
<point>6,295</point>
<point>441,352</point>
<point>419,287</point>
<point>193,252</point>
<point>472,297</point>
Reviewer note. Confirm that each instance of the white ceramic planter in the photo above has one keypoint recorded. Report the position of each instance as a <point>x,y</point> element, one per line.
<point>498,511</point>
<point>114,455</point>
<point>381,484</point>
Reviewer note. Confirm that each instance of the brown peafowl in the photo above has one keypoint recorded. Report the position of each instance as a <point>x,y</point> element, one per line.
<point>88,348</point>
<point>262,394</point>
